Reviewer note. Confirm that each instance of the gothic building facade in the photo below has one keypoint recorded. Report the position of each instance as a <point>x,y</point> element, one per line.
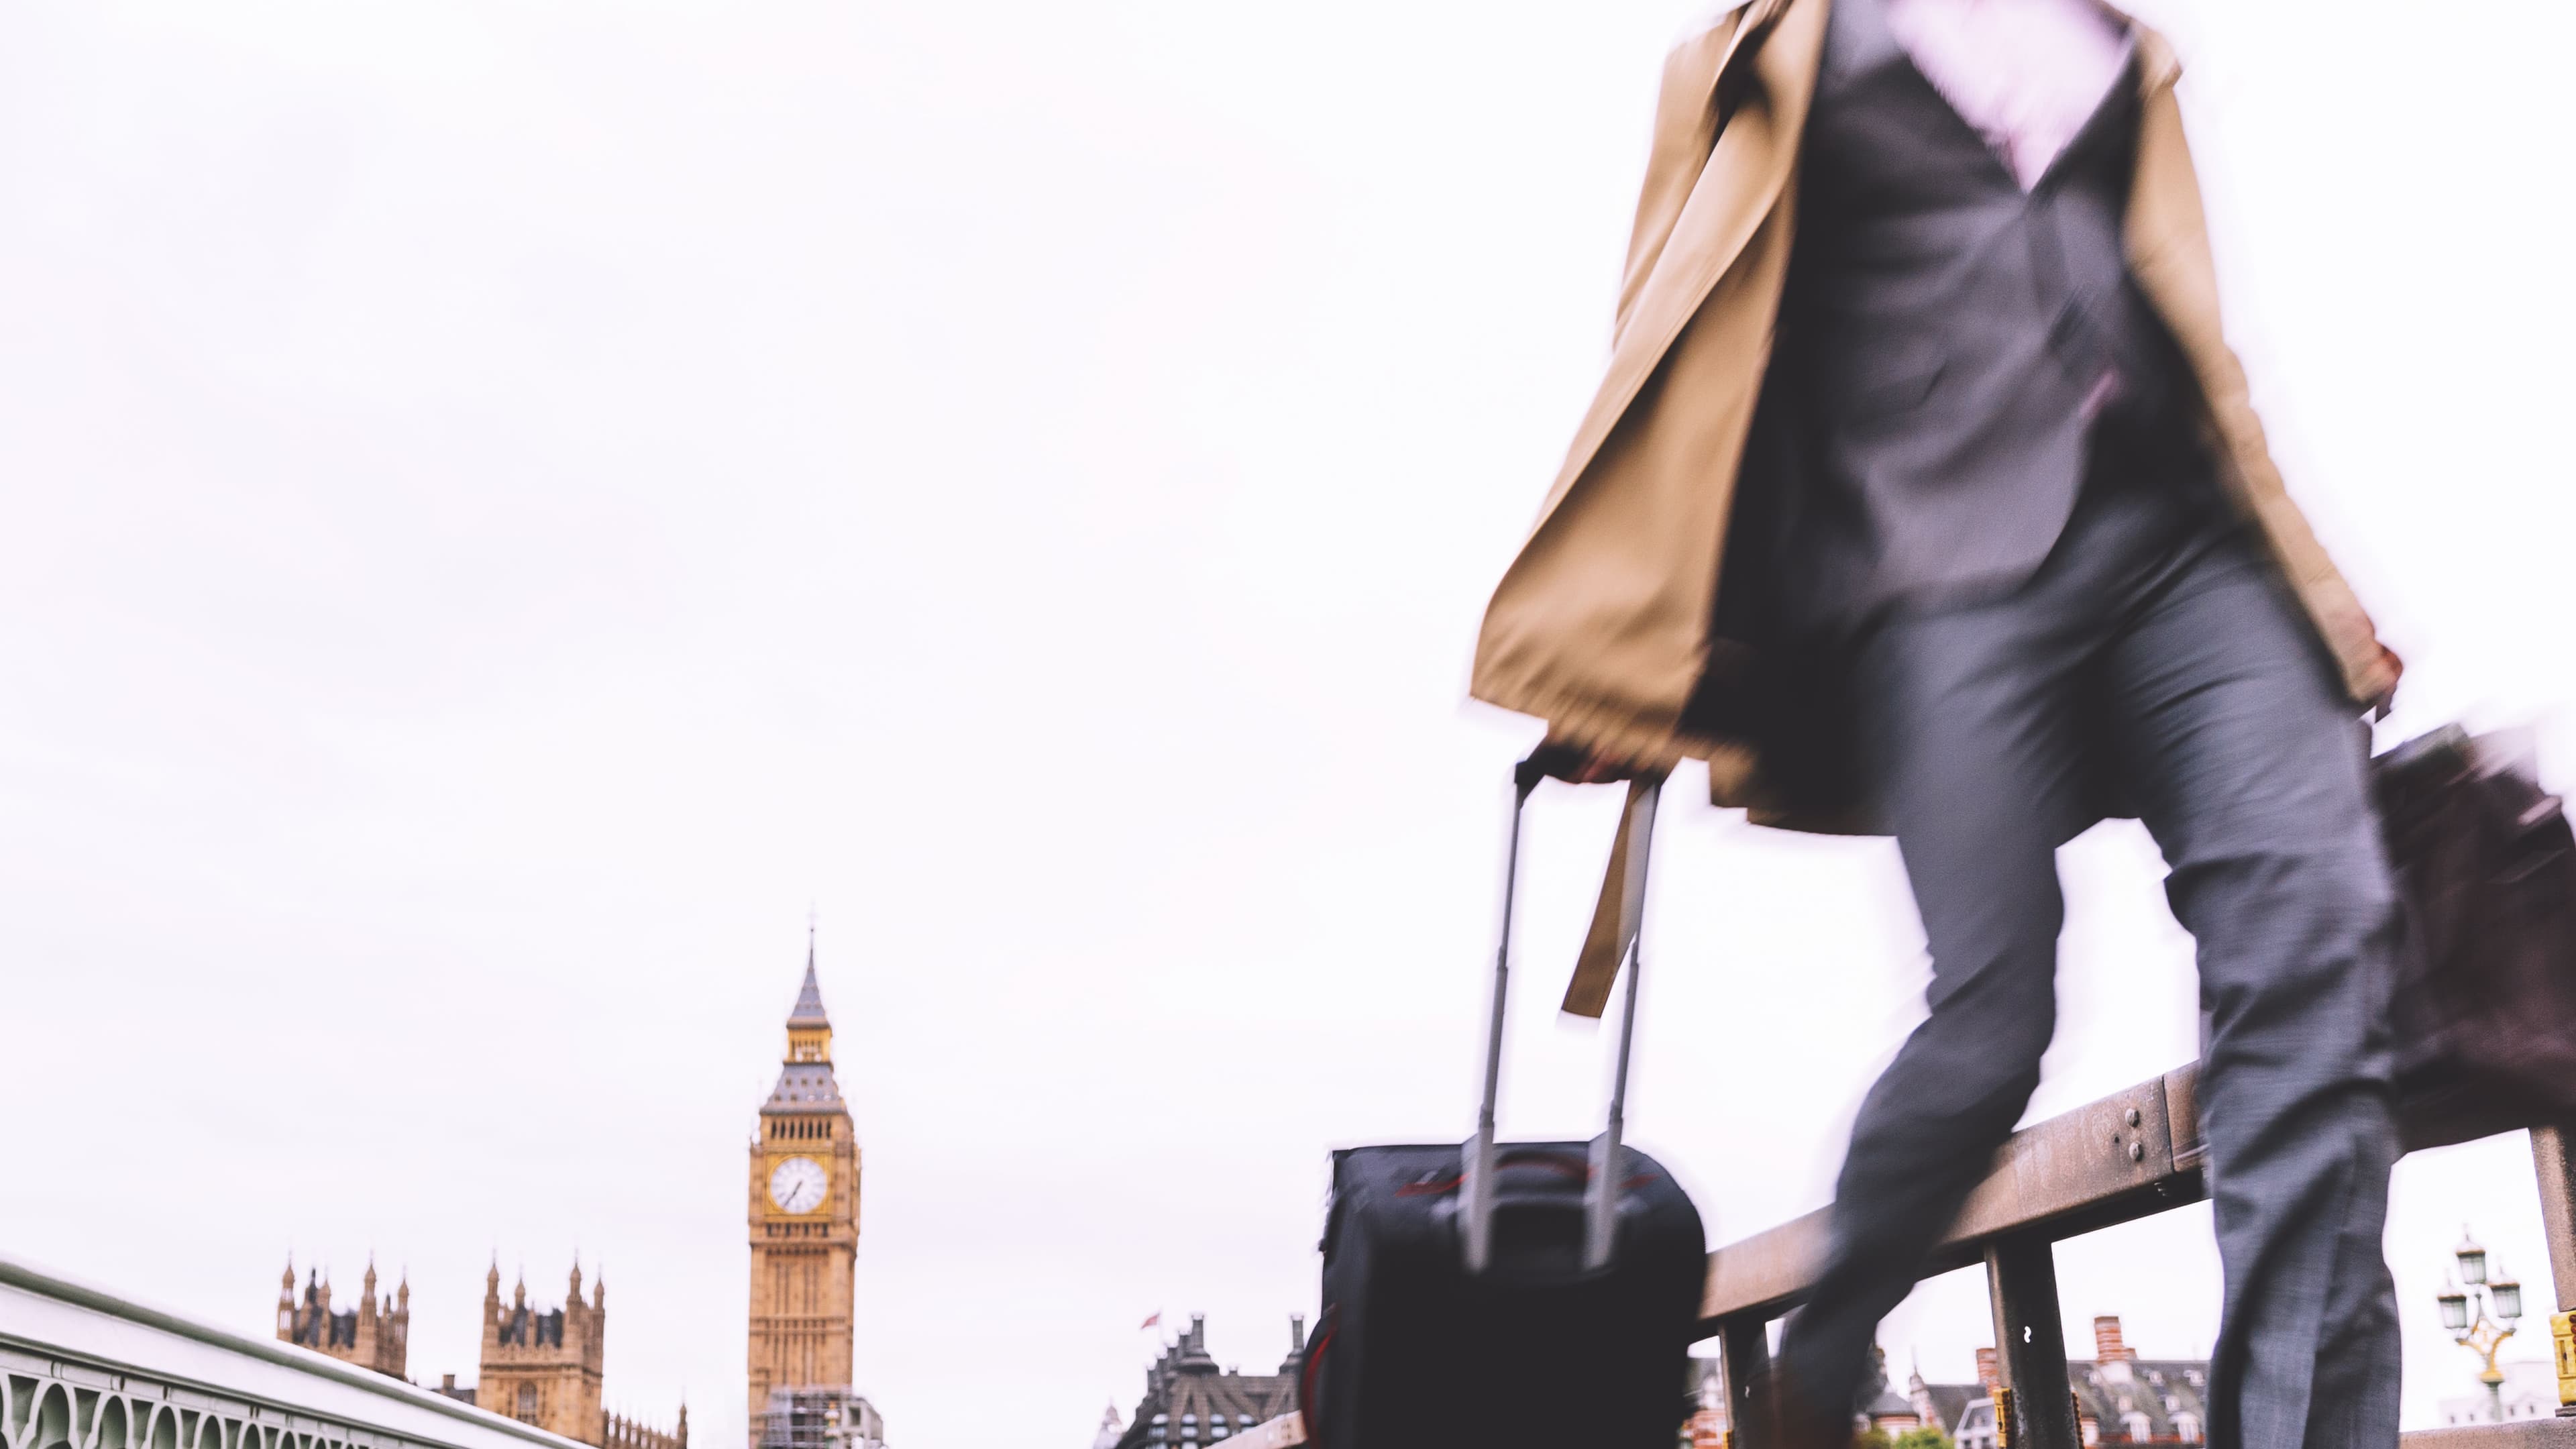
<point>547,1367</point>
<point>803,1211</point>
<point>375,1335</point>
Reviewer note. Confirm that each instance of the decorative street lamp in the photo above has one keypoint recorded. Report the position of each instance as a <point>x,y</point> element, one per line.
<point>2481,1313</point>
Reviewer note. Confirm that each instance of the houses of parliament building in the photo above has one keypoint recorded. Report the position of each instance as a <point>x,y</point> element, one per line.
<point>546,1366</point>
<point>540,1366</point>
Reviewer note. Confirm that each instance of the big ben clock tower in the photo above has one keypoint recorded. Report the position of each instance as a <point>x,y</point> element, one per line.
<point>804,1217</point>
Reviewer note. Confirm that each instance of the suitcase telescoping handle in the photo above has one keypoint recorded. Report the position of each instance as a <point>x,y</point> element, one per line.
<point>1601,1189</point>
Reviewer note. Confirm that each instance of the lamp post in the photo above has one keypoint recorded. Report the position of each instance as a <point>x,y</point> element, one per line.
<point>2481,1312</point>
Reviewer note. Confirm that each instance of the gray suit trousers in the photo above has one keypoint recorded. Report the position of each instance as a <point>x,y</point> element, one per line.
<point>2157,648</point>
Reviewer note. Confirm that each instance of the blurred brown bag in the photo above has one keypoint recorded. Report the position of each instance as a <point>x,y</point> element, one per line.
<point>2485,1002</point>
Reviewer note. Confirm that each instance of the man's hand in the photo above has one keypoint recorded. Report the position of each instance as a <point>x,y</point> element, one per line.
<point>2387,700</point>
<point>1603,770</point>
<point>1579,766</point>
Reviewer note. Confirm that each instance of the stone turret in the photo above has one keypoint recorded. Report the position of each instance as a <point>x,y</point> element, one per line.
<point>374,1335</point>
<point>544,1366</point>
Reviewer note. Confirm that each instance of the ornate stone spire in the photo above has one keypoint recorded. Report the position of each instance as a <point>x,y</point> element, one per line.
<point>806,1083</point>
<point>809,997</point>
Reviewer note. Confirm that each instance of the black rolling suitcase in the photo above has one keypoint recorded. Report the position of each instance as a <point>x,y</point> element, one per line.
<point>1508,1294</point>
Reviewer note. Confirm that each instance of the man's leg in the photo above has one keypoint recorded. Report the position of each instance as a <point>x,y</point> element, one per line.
<point>1973,747</point>
<point>2251,770</point>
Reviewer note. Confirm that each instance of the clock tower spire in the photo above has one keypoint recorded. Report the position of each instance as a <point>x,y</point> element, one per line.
<point>804,1215</point>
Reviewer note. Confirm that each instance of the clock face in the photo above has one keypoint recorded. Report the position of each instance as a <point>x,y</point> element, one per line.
<point>796,1185</point>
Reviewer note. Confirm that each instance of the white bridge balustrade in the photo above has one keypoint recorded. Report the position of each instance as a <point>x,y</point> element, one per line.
<point>82,1368</point>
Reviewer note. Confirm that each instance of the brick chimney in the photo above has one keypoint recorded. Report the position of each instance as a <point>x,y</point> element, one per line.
<point>2107,1345</point>
<point>1990,1373</point>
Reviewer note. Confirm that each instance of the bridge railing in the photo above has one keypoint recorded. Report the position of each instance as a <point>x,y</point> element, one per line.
<point>2127,1156</point>
<point>83,1368</point>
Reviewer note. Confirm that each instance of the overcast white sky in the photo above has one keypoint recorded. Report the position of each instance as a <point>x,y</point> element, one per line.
<point>506,504</point>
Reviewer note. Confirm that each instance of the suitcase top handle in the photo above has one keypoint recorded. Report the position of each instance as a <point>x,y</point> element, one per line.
<point>1601,1192</point>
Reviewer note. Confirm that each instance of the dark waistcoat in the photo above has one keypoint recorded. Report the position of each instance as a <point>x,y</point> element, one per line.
<point>1956,355</point>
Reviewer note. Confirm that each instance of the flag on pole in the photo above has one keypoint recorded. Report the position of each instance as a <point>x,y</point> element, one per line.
<point>1150,1320</point>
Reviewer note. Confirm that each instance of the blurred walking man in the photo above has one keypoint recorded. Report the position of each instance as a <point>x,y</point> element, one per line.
<point>1923,497</point>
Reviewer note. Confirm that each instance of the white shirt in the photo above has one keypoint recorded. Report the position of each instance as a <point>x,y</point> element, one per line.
<point>2026,73</point>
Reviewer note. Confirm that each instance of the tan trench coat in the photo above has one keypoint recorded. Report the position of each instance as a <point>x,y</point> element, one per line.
<point>1602,626</point>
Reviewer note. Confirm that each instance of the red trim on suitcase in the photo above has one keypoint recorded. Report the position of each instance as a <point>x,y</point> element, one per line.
<point>1326,1324</point>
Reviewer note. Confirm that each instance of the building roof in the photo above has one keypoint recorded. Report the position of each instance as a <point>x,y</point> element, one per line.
<point>2129,1400</point>
<point>1949,1403</point>
<point>809,997</point>
<point>2121,1393</point>
<point>1186,1397</point>
<point>1891,1405</point>
<point>524,1327</point>
<point>805,1087</point>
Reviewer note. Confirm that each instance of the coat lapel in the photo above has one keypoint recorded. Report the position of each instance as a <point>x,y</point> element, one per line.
<point>1746,170</point>
<point>2158,66</point>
